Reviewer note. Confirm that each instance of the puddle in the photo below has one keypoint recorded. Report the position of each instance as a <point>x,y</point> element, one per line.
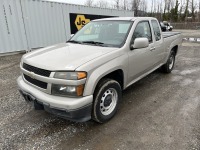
<point>196,40</point>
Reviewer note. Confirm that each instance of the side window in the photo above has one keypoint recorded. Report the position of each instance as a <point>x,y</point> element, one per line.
<point>156,30</point>
<point>142,30</point>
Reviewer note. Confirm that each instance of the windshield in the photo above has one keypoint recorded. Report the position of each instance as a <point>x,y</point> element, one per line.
<point>103,33</point>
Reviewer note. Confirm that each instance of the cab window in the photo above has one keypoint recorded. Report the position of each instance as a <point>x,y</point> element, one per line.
<point>156,30</point>
<point>142,30</point>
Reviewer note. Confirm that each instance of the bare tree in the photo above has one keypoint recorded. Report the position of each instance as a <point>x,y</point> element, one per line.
<point>181,7</point>
<point>169,3</point>
<point>89,3</point>
<point>135,6</point>
<point>186,10</point>
<point>125,4</point>
<point>102,4</point>
<point>143,6</point>
<point>117,4</point>
<point>199,12</point>
<point>152,6</point>
<point>194,6</point>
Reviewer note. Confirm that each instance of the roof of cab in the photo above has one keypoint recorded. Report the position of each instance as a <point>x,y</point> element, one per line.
<point>124,18</point>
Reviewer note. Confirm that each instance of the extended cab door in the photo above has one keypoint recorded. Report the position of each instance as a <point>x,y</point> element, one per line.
<point>158,49</point>
<point>141,60</point>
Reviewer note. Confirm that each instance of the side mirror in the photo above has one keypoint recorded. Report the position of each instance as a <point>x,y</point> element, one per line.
<point>140,43</point>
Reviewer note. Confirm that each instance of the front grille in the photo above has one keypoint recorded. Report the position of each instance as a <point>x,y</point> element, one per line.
<point>36,70</point>
<point>36,82</point>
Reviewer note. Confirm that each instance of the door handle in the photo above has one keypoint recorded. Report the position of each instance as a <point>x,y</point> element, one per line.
<point>152,49</point>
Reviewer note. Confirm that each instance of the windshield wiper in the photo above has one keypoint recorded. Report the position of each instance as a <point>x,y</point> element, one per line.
<point>88,42</point>
<point>73,41</point>
<point>95,43</point>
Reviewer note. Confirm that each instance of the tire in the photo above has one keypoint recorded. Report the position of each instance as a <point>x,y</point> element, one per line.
<point>107,95</point>
<point>168,67</point>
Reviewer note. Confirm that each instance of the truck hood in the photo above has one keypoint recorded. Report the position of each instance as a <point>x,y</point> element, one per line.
<point>65,56</point>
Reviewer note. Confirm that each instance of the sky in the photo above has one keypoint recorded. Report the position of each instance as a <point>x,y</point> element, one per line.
<point>82,2</point>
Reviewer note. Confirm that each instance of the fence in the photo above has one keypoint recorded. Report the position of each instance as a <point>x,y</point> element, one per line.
<point>187,25</point>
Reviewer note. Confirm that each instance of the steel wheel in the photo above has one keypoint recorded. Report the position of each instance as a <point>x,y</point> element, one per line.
<point>107,96</point>
<point>168,67</point>
<point>171,62</point>
<point>108,101</point>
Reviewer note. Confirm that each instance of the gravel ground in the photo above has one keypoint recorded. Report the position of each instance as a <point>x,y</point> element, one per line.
<point>158,112</point>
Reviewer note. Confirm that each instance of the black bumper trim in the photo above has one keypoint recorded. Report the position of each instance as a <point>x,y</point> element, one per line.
<point>79,115</point>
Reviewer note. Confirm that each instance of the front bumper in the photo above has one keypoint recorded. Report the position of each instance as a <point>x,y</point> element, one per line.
<point>76,109</point>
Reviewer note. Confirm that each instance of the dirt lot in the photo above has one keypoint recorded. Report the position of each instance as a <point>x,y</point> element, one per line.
<point>159,112</point>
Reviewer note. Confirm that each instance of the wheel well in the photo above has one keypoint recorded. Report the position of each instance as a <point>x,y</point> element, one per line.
<point>175,49</point>
<point>117,75</point>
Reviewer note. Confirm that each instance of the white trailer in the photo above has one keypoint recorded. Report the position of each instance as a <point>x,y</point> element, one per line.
<point>30,24</point>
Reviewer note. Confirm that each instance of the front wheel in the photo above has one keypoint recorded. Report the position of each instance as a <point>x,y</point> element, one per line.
<point>106,99</point>
<point>168,67</point>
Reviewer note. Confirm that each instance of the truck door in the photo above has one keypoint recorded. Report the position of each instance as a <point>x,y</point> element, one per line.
<point>158,50</point>
<point>141,60</point>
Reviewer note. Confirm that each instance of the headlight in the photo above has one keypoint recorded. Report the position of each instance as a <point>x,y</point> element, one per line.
<point>65,90</point>
<point>70,75</point>
<point>69,90</point>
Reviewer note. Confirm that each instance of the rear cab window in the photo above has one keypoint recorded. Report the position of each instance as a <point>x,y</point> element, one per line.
<point>156,29</point>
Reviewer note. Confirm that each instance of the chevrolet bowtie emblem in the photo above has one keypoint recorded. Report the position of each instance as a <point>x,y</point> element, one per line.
<point>32,75</point>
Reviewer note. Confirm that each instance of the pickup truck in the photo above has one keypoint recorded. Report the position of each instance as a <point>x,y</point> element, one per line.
<point>83,78</point>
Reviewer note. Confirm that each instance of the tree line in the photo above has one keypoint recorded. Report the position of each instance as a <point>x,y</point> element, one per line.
<point>172,10</point>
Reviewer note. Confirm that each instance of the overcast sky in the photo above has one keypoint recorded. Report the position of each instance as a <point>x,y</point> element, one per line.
<point>81,2</point>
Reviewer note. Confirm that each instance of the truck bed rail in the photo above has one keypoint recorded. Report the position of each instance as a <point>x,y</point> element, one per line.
<point>169,34</point>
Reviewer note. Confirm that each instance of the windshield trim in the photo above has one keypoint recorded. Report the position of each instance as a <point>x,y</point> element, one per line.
<point>128,32</point>
<point>118,46</point>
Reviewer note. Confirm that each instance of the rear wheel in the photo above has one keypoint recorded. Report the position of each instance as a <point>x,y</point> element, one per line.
<point>168,67</point>
<point>106,99</point>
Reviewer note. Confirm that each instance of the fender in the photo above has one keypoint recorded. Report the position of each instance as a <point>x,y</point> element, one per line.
<point>96,75</point>
<point>175,42</point>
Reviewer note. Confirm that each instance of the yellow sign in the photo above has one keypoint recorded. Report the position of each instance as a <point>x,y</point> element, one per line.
<point>81,21</point>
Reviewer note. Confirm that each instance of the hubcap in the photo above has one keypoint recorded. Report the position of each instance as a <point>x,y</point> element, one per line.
<point>171,62</point>
<point>108,101</point>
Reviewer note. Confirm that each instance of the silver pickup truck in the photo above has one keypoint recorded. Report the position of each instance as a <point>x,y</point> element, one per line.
<point>83,78</point>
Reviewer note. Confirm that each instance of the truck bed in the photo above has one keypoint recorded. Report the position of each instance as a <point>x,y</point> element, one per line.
<point>169,34</point>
